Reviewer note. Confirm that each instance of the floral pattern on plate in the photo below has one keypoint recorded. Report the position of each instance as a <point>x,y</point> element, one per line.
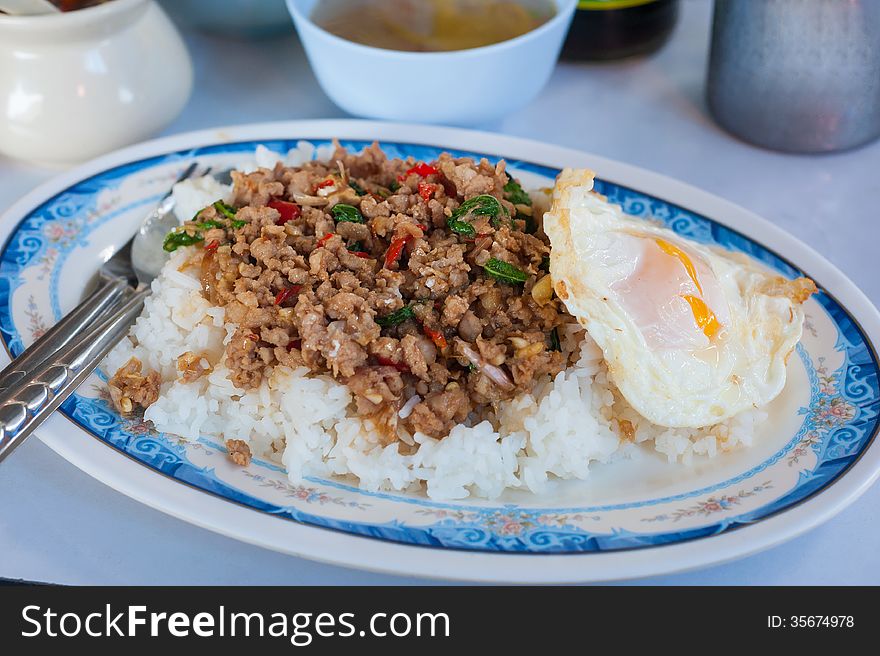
<point>827,420</point>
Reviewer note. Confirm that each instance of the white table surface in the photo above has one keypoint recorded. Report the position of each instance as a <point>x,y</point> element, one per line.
<point>59,525</point>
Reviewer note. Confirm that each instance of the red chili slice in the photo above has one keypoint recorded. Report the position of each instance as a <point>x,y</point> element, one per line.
<point>325,183</point>
<point>387,362</point>
<point>423,170</point>
<point>288,211</point>
<point>479,235</point>
<point>212,246</point>
<point>395,250</point>
<point>286,293</point>
<point>363,254</point>
<point>436,336</point>
<point>426,190</point>
<point>323,240</point>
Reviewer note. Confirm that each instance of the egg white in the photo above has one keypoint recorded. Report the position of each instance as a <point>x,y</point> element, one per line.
<point>692,335</point>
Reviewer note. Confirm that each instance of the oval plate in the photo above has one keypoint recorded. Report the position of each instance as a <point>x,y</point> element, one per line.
<point>638,517</point>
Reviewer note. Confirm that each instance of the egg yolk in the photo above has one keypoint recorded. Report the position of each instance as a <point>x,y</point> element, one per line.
<point>705,318</point>
<point>703,315</point>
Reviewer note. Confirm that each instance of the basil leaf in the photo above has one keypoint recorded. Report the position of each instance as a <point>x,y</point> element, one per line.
<point>505,272</point>
<point>226,211</point>
<point>482,205</point>
<point>360,191</point>
<point>346,213</point>
<point>462,228</point>
<point>356,247</point>
<point>396,317</point>
<point>177,238</point>
<point>554,340</point>
<point>514,192</point>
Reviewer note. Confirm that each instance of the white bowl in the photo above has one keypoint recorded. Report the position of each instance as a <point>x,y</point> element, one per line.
<point>78,84</point>
<point>462,87</point>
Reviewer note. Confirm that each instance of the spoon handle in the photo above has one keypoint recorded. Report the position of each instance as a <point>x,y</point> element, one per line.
<point>62,333</point>
<point>27,404</point>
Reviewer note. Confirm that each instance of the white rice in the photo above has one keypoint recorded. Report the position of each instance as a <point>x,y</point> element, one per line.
<point>306,422</point>
<point>193,194</point>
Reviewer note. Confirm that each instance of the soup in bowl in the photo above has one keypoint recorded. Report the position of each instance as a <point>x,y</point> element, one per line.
<point>440,67</point>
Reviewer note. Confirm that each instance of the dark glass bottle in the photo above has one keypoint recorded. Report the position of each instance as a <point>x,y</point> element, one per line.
<point>612,29</point>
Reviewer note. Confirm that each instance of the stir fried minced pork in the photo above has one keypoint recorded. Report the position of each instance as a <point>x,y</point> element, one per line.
<point>420,285</point>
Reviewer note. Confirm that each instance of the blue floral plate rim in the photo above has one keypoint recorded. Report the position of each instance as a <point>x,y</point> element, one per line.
<point>366,130</point>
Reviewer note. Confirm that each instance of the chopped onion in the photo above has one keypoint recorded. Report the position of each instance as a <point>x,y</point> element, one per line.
<point>344,195</point>
<point>407,408</point>
<point>309,201</point>
<point>481,244</point>
<point>492,372</point>
<point>530,350</point>
<point>542,292</point>
<point>329,189</point>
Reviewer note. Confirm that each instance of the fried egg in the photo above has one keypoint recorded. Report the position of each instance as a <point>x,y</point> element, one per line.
<point>691,334</point>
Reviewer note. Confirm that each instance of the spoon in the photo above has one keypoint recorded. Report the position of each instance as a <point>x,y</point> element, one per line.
<point>42,377</point>
<point>28,7</point>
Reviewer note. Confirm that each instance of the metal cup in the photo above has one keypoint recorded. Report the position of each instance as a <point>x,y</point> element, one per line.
<point>797,75</point>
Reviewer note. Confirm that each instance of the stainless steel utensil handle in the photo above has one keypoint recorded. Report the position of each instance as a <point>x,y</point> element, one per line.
<point>62,333</point>
<point>26,405</point>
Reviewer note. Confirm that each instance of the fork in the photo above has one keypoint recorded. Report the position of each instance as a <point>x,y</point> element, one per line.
<point>41,378</point>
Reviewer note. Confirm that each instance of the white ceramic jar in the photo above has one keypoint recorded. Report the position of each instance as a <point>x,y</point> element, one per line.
<point>78,84</point>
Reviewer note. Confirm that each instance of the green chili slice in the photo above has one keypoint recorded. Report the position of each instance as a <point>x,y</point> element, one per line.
<point>207,225</point>
<point>177,238</point>
<point>226,210</point>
